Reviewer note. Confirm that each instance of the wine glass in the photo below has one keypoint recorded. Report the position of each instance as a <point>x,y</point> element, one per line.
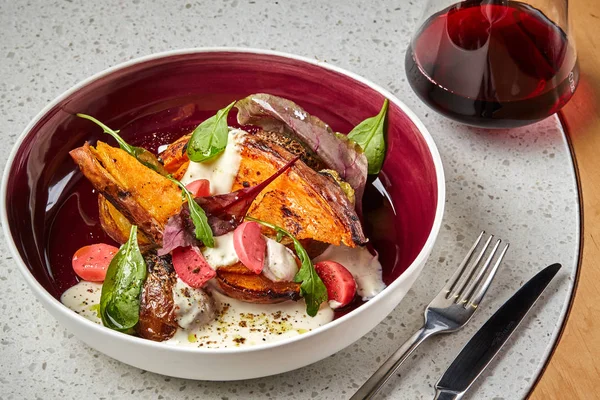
<point>494,63</point>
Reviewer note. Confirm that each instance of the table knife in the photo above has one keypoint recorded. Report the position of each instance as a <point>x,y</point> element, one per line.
<point>487,342</point>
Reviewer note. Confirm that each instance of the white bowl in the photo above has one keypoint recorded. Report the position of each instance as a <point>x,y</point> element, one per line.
<point>32,155</point>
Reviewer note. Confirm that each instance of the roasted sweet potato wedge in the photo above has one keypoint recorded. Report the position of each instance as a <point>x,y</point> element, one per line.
<point>308,204</point>
<point>117,226</point>
<point>240,283</point>
<point>175,159</point>
<point>143,196</point>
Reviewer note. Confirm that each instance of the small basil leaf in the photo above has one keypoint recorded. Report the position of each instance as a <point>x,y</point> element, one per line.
<point>120,297</point>
<point>312,287</point>
<point>370,136</point>
<point>201,226</point>
<point>209,139</point>
<point>142,155</point>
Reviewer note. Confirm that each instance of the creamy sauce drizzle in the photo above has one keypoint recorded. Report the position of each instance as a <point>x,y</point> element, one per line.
<point>280,262</point>
<point>223,254</point>
<point>221,171</point>
<point>245,324</point>
<point>365,268</point>
<point>84,299</point>
<point>193,307</point>
<point>236,323</point>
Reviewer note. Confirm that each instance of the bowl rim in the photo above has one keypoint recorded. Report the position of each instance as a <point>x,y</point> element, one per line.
<point>50,301</point>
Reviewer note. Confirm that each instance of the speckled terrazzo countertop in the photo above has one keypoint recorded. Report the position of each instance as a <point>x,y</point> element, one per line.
<point>519,185</point>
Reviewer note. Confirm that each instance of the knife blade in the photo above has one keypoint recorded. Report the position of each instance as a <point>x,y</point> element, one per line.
<point>487,342</point>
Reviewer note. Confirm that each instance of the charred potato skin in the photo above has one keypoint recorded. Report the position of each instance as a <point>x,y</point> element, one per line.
<point>117,226</point>
<point>157,308</point>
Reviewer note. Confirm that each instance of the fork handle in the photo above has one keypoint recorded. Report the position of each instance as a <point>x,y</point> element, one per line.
<point>387,369</point>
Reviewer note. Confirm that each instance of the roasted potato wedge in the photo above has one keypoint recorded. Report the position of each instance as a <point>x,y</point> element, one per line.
<point>132,188</point>
<point>117,226</point>
<point>157,308</point>
<point>240,283</point>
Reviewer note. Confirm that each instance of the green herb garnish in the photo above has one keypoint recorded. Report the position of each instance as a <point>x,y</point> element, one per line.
<point>142,155</point>
<point>120,297</point>
<point>209,139</point>
<point>201,226</point>
<point>370,136</point>
<point>312,288</point>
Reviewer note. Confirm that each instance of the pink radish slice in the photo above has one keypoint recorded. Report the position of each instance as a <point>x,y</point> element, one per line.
<point>250,246</point>
<point>191,266</point>
<point>91,262</point>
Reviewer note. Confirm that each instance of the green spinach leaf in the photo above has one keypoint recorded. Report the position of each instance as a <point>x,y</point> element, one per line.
<point>120,297</point>
<point>142,155</point>
<point>201,226</point>
<point>312,287</point>
<point>209,139</point>
<point>370,136</point>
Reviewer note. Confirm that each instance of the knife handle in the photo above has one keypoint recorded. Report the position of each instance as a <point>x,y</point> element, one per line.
<point>441,394</point>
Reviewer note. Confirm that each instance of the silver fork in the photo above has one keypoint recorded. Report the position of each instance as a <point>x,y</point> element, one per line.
<point>449,311</point>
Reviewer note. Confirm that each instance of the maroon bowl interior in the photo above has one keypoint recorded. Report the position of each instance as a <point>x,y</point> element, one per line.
<point>52,211</point>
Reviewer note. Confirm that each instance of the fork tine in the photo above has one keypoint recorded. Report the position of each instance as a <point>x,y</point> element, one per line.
<point>476,299</point>
<point>461,269</point>
<point>474,283</point>
<point>459,292</point>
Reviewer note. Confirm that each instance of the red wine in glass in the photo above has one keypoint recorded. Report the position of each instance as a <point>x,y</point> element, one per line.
<point>492,64</point>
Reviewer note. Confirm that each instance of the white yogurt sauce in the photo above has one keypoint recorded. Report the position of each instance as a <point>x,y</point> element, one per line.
<point>223,254</point>
<point>193,307</point>
<point>365,268</point>
<point>221,171</point>
<point>84,299</point>
<point>245,324</point>
<point>280,263</point>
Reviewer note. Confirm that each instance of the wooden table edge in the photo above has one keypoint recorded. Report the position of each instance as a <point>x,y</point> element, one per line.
<point>567,315</point>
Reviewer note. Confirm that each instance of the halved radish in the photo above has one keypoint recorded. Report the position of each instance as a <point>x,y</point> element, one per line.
<point>250,246</point>
<point>199,188</point>
<point>91,262</point>
<point>191,266</point>
<point>340,284</point>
